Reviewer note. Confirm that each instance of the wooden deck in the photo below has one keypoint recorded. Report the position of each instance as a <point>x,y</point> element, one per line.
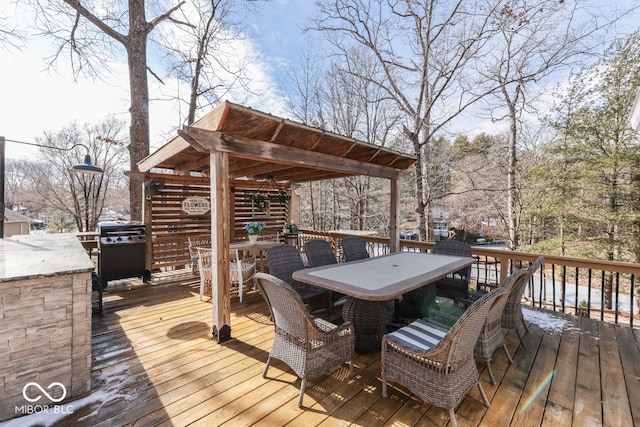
<point>154,363</point>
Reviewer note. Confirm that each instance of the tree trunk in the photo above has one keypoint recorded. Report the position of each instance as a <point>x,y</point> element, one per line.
<point>314,225</point>
<point>422,220</point>
<point>139,109</point>
<point>511,180</point>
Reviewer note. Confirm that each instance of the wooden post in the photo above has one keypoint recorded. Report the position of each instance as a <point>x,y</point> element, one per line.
<point>220,288</point>
<point>394,217</point>
<point>147,219</point>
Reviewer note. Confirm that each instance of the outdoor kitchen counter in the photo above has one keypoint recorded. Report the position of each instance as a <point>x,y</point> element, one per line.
<point>30,256</point>
<point>45,322</point>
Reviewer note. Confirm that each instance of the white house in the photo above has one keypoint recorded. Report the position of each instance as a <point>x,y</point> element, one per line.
<point>635,113</point>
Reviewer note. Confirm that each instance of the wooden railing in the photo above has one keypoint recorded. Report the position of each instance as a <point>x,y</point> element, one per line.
<point>576,283</point>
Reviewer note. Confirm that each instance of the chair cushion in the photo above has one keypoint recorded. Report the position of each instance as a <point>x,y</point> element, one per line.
<point>419,335</point>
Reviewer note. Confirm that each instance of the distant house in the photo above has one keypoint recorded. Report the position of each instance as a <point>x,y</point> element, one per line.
<point>441,217</point>
<point>15,223</point>
<point>635,113</point>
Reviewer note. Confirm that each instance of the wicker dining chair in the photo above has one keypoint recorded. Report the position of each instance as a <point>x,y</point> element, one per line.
<point>283,261</point>
<point>201,240</point>
<point>353,248</point>
<point>457,284</point>
<point>319,252</point>
<point>310,345</point>
<point>491,337</point>
<point>512,316</point>
<point>435,364</point>
<point>241,273</point>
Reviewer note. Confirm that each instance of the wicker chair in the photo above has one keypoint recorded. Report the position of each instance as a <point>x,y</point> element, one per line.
<point>512,316</point>
<point>353,248</point>
<point>435,364</point>
<point>319,252</point>
<point>491,337</point>
<point>203,241</point>
<point>455,285</point>
<point>241,273</point>
<point>283,261</point>
<point>204,260</point>
<point>309,345</point>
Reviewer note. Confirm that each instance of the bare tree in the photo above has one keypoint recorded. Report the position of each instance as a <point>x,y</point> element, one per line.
<point>535,41</point>
<point>303,91</point>
<point>10,36</point>
<point>92,35</point>
<point>202,53</point>
<point>356,108</point>
<point>78,195</point>
<point>423,49</point>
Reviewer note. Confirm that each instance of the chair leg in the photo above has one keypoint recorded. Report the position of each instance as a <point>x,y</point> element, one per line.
<point>492,379</point>
<point>506,351</point>
<point>302,387</point>
<point>452,416</point>
<point>351,368</point>
<point>384,386</point>
<point>520,337</point>
<point>266,368</point>
<point>484,396</point>
<point>526,328</point>
<point>201,289</point>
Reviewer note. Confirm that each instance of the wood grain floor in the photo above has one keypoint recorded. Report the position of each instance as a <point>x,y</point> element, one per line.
<point>154,364</point>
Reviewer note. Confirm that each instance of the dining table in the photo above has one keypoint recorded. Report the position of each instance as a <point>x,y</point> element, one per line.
<point>373,284</point>
<point>245,247</point>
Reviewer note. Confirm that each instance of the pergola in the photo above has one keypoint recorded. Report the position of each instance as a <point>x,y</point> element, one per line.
<point>236,142</point>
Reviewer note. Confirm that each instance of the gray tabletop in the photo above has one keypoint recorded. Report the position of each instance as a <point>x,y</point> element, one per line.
<point>385,277</point>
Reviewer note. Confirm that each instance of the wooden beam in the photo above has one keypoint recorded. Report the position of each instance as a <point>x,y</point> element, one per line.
<point>197,164</point>
<point>165,152</point>
<point>220,288</point>
<point>259,168</point>
<point>267,151</point>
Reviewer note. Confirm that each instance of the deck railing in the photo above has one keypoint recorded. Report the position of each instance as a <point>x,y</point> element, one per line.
<point>564,284</point>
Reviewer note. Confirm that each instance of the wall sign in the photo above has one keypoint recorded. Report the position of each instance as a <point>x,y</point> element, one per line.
<point>196,205</point>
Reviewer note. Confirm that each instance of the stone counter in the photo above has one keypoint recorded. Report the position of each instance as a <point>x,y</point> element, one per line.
<point>45,321</point>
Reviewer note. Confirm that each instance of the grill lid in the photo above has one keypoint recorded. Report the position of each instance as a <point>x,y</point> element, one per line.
<point>122,233</point>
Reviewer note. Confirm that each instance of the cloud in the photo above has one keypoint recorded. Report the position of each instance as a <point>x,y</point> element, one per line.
<point>36,99</point>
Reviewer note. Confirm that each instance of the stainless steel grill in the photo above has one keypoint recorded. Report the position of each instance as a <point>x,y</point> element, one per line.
<point>122,251</point>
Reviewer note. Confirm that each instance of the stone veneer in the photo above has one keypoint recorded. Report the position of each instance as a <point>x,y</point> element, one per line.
<point>45,320</point>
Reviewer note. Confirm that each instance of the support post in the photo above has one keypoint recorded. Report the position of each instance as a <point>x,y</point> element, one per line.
<point>220,298</point>
<point>394,217</point>
<point>2,143</point>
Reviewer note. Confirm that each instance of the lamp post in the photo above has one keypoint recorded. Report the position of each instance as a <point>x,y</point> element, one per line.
<point>86,168</point>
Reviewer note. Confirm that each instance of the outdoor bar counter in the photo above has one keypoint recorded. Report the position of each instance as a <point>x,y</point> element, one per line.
<point>45,322</point>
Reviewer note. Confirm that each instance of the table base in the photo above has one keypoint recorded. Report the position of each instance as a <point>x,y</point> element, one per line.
<point>369,319</point>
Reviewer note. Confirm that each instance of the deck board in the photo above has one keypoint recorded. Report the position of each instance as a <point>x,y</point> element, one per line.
<point>531,408</point>
<point>509,392</point>
<point>561,396</point>
<point>154,363</point>
<point>628,344</point>
<point>587,407</point>
<point>617,411</point>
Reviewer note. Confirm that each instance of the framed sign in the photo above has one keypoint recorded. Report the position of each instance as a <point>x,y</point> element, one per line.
<point>260,206</point>
<point>196,205</point>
